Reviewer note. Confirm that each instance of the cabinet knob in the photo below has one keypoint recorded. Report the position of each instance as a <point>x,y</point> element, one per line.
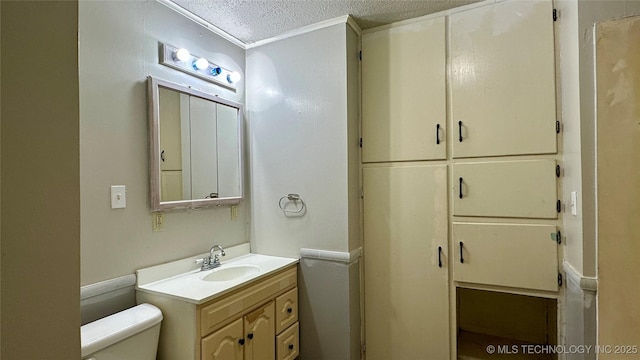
<point>290,346</point>
<point>241,341</point>
<point>289,310</point>
<point>250,336</point>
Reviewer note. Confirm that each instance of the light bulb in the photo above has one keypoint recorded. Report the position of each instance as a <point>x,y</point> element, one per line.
<point>201,64</point>
<point>216,71</point>
<point>233,77</point>
<point>181,55</point>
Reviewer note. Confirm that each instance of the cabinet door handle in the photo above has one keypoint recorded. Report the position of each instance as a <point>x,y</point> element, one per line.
<point>290,346</point>
<point>439,256</point>
<point>460,188</point>
<point>437,134</point>
<point>162,155</point>
<point>250,336</point>
<point>461,254</point>
<point>289,310</point>
<point>460,131</point>
<point>241,341</point>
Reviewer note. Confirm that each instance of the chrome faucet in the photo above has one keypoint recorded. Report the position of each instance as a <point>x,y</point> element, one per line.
<point>213,261</point>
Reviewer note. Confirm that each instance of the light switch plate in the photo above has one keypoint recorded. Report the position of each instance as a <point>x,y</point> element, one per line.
<point>118,197</point>
<point>574,203</point>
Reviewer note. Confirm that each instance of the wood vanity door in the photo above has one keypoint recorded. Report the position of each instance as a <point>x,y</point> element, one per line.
<point>260,334</point>
<point>224,344</point>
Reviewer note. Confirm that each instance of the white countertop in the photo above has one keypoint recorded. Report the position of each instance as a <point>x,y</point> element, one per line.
<point>189,287</point>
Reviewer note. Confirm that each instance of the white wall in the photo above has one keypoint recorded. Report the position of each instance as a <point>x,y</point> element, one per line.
<point>303,111</point>
<point>297,111</point>
<point>118,49</point>
<point>40,181</point>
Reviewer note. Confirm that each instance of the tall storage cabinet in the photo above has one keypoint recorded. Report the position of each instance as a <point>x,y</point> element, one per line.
<point>407,298</point>
<point>462,224</point>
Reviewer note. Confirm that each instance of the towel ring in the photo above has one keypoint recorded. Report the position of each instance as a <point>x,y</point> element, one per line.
<point>295,198</point>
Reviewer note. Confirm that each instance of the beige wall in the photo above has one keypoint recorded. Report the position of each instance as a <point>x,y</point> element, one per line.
<point>591,12</point>
<point>0,183</point>
<point>118,50</point>
<point>40,181</point>
<point>618,176</point>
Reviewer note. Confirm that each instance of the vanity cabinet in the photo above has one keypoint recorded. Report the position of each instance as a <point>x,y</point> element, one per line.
<point>256,321</point>
<point>248,338</point>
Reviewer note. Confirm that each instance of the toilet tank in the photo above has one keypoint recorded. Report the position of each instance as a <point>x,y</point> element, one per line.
<point>129,334</point>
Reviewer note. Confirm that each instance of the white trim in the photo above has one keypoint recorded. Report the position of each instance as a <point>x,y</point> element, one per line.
<point>573,275</point>
<point>433,15</point>
<point>337,256</point>
<point>202,22</point>
<point>354,25</point>
<point>106,286</point>
<point>303,30</point>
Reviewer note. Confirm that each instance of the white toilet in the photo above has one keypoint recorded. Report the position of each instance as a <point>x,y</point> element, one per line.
<point>129,334</point>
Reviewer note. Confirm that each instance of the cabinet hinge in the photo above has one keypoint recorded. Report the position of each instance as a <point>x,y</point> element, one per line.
<point>559,279</point>
<point>557,237</point>
<point>559,206</point>
<point>361,143</point>
<point>555,14</point>
<point>557,170</point>
<point>557,127</point>
<point>360,55</point>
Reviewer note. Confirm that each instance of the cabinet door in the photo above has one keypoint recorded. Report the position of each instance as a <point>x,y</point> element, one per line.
<point>503,80</point>
<point>224,344</point>
<point>514,255</point>
<point>518,189</point>
<point>260,334</point>
<point>405,259</point>
<point>403,93</point>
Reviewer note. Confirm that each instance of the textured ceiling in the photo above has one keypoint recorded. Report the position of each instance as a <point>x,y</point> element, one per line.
<point>254,20</point>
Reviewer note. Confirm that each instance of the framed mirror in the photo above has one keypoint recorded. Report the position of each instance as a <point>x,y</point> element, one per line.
<point>195,148</point>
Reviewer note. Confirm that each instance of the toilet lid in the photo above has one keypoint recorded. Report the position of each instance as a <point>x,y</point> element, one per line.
<point>109,330</point>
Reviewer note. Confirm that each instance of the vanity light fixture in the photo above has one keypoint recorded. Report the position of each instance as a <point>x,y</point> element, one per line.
<point>181,59</point>
<point>201,64</point>
<point>181,55</point>
<point>233,78</point>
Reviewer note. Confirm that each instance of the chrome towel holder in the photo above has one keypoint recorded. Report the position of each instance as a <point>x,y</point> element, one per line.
<point>295,198</point>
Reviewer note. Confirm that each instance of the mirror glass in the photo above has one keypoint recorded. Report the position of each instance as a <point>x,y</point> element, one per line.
<point>196,148</point>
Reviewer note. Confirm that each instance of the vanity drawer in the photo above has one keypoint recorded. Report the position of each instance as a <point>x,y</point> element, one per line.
<point>287,344</point>
<point>219,312</point>
<point>286,309</point>
<point>514,255</point>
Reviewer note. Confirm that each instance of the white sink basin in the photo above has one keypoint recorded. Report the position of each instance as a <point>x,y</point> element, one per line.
<point>231,273</point>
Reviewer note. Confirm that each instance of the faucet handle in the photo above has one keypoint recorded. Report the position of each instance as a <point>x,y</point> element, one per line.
<point>204,262</point>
